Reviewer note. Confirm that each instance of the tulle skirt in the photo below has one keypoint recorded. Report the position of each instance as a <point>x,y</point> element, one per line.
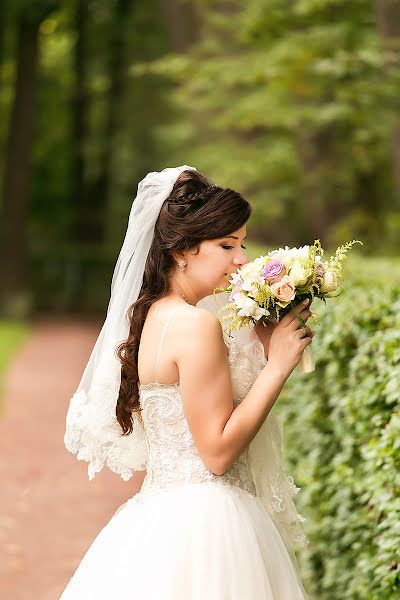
<point>200,541</point>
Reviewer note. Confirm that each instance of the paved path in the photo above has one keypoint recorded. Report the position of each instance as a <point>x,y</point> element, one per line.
<point>49,511</point>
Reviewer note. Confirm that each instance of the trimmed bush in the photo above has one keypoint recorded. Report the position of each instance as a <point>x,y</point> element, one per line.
<point>342,439</point>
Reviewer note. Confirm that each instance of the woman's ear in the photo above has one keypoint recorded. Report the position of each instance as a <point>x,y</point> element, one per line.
<point>179,257</point>
<point>194,250</point>
<point>180,260</point>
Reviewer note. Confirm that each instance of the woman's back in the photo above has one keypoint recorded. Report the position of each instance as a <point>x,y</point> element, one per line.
<point>158,344</point>
<point>185,344</point>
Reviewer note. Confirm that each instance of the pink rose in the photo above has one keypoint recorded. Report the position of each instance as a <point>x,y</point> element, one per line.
<point>284,289</point>
<point>274,270</point>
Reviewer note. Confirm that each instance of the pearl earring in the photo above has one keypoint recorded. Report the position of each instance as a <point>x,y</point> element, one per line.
<point>182,265</point>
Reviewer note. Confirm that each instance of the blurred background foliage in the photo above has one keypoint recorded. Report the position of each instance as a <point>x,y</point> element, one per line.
<point>295,104</point>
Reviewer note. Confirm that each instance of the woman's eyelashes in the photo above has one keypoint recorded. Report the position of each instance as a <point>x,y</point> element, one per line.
<point>230,247</point>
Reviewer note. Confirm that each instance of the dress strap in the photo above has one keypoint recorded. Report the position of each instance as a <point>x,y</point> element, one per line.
<point>172,313</point>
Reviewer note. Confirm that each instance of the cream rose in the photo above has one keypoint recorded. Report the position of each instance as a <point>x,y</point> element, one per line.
<point>284,290</point>
<point>299,273</point>
<point>329,282</point>
<point>249,308</point>
<point>249,270</point>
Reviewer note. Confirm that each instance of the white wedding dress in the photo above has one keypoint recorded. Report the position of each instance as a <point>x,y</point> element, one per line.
<point>190,534</point>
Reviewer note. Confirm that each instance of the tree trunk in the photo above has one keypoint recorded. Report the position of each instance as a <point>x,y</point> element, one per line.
<point>2,39</point>
<point>182,23</point>
<point>80,219</point>
<point>115,98</point>
<point>17,171</point>
<point>313,148</point>
<point>388,24</point>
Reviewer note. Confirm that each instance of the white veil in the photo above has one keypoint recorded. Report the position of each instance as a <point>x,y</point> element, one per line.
<point>92,431</point>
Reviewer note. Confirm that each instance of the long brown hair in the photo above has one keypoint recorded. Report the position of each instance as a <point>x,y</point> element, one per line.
<point>196,210</point>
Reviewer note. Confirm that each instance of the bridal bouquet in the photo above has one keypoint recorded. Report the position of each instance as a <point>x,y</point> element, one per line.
<point>270,286</point>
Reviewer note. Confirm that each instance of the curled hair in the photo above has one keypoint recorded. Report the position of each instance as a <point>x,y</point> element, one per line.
<point>196,210</point>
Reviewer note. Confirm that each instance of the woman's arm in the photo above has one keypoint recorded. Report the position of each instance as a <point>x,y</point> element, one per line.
<point>220,431</point>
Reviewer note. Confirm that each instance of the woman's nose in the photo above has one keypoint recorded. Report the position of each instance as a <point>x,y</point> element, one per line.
<point>241,260</point>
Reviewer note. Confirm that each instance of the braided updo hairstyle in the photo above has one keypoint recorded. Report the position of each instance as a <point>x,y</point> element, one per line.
<point>196,210</point>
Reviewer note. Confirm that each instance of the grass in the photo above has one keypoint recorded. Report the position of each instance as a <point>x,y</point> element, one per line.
<point>12,334</point>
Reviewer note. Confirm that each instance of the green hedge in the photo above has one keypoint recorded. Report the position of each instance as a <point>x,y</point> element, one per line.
<point>342,439</point>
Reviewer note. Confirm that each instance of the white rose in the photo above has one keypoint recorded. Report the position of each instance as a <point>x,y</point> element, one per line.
<point>283,254</point>
<point>299,273</point>
<point>303,251</point>
<point>260,262</point>
<point>251,270</point>
<point>260,312</point>
<point>249,308</point>
<point>329,282</point>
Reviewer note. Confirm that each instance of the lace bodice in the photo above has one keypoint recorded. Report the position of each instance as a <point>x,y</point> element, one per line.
<point>172,455</point>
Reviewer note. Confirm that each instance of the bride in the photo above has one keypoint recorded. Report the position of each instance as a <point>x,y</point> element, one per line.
<point>167,390</point>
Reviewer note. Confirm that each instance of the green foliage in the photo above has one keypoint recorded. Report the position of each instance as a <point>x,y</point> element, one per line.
<point>342,439</point>
<point>12,334</point>
<point>282,103</point>
<point>141,107</point>
<point>291,104</point>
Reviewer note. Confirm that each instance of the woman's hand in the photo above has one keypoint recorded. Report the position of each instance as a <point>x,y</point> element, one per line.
<point>289,338</point>
<point>264,332</point>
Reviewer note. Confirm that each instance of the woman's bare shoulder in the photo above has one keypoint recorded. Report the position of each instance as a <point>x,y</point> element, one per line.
<point>196,317</point>
<point>198,329</point>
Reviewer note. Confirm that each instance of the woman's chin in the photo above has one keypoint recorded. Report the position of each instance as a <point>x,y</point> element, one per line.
<point>223,282</point>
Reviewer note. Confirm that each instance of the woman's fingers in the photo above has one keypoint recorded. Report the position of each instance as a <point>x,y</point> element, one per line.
<point>295,323</point>
<point>304,331</point>
<point>300,308</point>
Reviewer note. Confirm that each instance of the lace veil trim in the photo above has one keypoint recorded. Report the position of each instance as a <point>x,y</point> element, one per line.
<point>102,444</point>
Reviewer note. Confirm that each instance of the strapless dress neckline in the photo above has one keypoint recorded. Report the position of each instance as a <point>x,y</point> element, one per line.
<point>158,384</point>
